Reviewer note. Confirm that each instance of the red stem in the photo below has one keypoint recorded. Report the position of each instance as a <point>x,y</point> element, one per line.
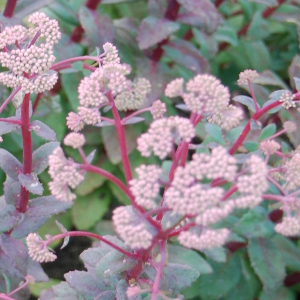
<point>217,3</point>
<point>121,137</point>
<point>95,236</point>
<point>10,97</point>
<point>9,8</point>
<point>27,152</point>
<point>17,122</point>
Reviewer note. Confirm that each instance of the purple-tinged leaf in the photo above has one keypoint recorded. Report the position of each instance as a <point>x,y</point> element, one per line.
<point>153,30</point>
<point>40,156</point>
<point>11,191</point>
<point>9,217</point>
<point>85,283</point>
<point>91,156</point>
<point>16,252</point>
<point>157,8</point>
<point>206,12</point>
<point>107,295</point>
<point>134,120</point>
<point>6,127</point>
<point>190,18</point>
<point>9,164</point>
<point>31,183</point>
<point>97,27</point>
<point>46,206</point>
<point>63,230</point>
<point>61,291</point>
<point>35,270</point>
<point>267,262</point>
<point>268,77</point>
<point>277,94</point>
<point>193,58</point>
<point>43,130</point>
<point>294,69</point>
<point>249,102</point>
<point>107,108</point>
<point>297,83</point>
<point>104,124</point>
<point>255,125</point>
<point>183,107</point>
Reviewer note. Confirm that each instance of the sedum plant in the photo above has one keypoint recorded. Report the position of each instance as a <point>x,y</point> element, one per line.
<point>211,216</point>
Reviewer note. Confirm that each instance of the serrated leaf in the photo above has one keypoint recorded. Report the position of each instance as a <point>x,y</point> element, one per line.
<point>222,280</point>
<point>41,155</point>
<point>43,130</point>
<point>97,27</point>
<point>61,291</point>
<point>36,271</point>
<point>133,120</point>
<point>249,102</point>
<point>11,191</point>
<point>255,223</point>
<point>180,255</point>
<point>153,30</point>
<point>31,183</point>
<point>215,132</point>
<point>267,262</point>
<point>289,251</point>
<point>9,164</point>
<point>268,131</point>
<point>206,12</point>
<point>6,127</point>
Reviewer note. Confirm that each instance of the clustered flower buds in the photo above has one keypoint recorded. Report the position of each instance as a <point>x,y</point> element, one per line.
<point>29,65</point>
<point>287,100</point>
<point>247,76</point>
<point>64,172</point>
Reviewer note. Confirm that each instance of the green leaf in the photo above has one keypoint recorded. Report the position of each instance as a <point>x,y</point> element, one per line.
<point>255,223</point>
<point>215,132</point>
<point>270,3</point>
<point>251,146</point>
<point>289,251</point>
<point>226,34</point>
<point>184,256</point>
<point>88,210</point>
<point>267,132</point>
<point>222,280</point>
<point>249,102</point>
<point>217,254</point>
<point>268,77</point>
<point>278,294</point>
<point>259,27</point>
<point>266,260</point>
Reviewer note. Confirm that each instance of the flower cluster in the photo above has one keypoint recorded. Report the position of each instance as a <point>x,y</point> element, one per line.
<point>74,139</point>
<point>247,76</point>
<point>29,64</point>
<point>162,133</point>
<point>132,228</point>
<point>292,176</point>
<point>287,100</point>
<point>269,147</point>
<point>64,173</point>
<point>290,226</point>
<point>38,250</point>
<point>146,187</point>
<point>158,109</point>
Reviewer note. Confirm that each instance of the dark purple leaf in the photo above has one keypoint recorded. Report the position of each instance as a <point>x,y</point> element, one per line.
<point>9,217</point>
<point>8,127</point>
<point>97,27</point>
<point>40,156</point>
<point>206,12</point>
<point>35,270</point>
<point>16,252</point>
<point>9,164</point>
<point>11,190</point>
<point>31,183</point>
<point>43,130</point>
<point>193,59</point>
<point>153,30</point>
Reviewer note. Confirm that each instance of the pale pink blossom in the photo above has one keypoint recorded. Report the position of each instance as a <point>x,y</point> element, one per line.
<point>247,75</point>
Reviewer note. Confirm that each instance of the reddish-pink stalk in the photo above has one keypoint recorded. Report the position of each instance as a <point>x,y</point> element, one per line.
<point>5,297</point>
<point>183,228</point>
<point>136,113</point>
<point>9,8</point>
<point>19,288</point>
<point>91,235</point>
<point>4,104</point>
<point>74,59</point>
<point>17,122</point>
<point>21,205</point>
<point>121,137</point>
<point>232,190</point>
<point>107,120</point>
<point>282,191</point>
<point>253,95</point>
<point>159,270</point>
<point>34,39</point>
<point>109,176</point>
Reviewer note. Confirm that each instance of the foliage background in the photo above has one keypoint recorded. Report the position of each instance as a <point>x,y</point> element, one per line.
<point>163,40</point>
